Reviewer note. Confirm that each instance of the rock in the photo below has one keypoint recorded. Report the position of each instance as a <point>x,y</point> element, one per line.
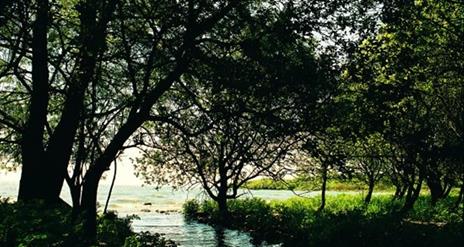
<point>147,204</point>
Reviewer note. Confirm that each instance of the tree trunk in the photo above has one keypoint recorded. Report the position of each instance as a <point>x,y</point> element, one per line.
<point>37,174</point>
<point>89,204</point>
<point>370,191</point>
<point>222,195</point>
<point>436,189</point>
<point>412,196</point>
<point>404,188</point>
<point>409,189</point>
<point>55,159</point>
<point>397,191</point>
<point>447,190</point>
<point>400,192</point>
<point>324,187</point>
<point>224,216</point>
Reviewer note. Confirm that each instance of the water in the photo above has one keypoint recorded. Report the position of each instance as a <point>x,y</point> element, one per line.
<point>160,211</point>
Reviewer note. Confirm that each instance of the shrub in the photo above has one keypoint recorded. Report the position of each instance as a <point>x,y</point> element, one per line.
<point>147,239</point>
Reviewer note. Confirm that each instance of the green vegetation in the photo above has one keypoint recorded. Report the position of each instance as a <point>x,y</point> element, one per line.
<point>220,92</point>
<point>307,184</point>
<point>345,221</point>
<point>38,225</point>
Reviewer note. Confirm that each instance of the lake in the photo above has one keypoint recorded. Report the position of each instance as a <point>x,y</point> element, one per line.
<point>160,211</point>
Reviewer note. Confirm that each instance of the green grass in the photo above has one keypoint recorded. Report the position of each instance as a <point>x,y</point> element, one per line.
<point>346,221</point>
<point>311,184</point>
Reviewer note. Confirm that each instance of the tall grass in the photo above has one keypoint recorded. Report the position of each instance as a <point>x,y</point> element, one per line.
<point>346,221</point>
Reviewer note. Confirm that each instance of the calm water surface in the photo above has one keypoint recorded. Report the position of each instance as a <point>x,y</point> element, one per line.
<point>159,211</point>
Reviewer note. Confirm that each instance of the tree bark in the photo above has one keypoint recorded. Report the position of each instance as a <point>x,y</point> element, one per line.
<point>222,195</point>
<point>400,191</point>
<point>370,191</point>
<point>447,189</point>
<point>412,196</point>
<point>36,172</point>
<point>89,203</point>
<point>436,189</point>
<point>324,187</point>
<point>224,215</point>
<point>403,191</point>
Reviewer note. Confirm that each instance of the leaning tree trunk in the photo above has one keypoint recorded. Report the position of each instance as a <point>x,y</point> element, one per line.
<point>400,192</point>
<point>412,196</point>
<point>447,189</point>
<point>89,204</point>
<point>398,188</point>
<point>370,191</point>
<point>95,172</point>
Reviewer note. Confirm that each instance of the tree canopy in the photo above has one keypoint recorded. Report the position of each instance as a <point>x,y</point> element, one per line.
<point>233,84</point>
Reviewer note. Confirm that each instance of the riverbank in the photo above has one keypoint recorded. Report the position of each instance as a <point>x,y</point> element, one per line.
<point>346,221</point>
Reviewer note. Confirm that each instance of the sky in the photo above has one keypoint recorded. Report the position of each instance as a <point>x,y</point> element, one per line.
<point>125,172</point>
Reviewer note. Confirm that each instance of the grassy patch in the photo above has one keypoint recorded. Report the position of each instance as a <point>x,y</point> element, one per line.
<point>310,184</point>
<point>346,221</point>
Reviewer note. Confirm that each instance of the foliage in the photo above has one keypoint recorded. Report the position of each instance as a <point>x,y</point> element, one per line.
<point>147,239</point>
<point>37,224</point>
<point>79,78</point>
<point>346,220</point>
<point>221,91</point>
<point>401,84</point>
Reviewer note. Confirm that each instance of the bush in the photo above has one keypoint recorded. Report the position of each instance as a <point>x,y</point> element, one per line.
<point>147,239</point>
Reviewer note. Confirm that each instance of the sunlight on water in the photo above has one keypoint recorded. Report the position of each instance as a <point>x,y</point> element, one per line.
<point>160,211</point>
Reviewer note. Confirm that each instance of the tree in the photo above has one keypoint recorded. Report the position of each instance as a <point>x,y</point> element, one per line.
<point>85,75</point>
<point>236,120</point>
<point>325,150</point>
<point>85,68</point>
<point>232,151</point>
<point>405,90</point>
<point>369,159</point>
